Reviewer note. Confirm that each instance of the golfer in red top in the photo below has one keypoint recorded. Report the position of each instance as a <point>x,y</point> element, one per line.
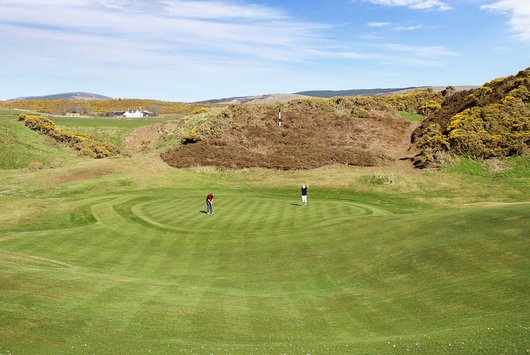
<point>209,203</point>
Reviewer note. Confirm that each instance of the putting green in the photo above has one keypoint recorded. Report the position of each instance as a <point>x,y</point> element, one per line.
<point>245,214</point>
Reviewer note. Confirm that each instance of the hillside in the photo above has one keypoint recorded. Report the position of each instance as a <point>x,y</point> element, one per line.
<point>260,99</point>
<point>325,94</point>
<point>355,92</point>
<point>492,121</point>
<point>22,147</point>
<point>102,106</point>
<point>66,96</point>
<point>361,131</point>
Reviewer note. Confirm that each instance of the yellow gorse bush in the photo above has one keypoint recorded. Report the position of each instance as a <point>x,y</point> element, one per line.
<point>85,144</point>
<point>420,102</point>
<point>494,122</point>
<point>100,107</point>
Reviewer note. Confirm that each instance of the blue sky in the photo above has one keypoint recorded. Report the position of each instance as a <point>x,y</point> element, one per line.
<point>184,50</point>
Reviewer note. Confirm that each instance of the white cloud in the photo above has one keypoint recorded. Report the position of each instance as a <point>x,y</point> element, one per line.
<point>360,55</point>
<point>378,24</point>
<point>422,51</point>
<point>519,11</point>
<point>202,29</point>
<point>165,32</point>
<point>179,44</point>
<point>407,28</point>
<point>221,10</point>
<point>416,4</point>
<point>388,25</point>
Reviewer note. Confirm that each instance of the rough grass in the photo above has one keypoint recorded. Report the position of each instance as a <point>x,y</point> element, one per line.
<point>249,136</point>
<point>105,122</point>
<point>411,117</point>
<point>111,130</point>
<point>517,166</point>
<point>20,146</point>
<point>117,256</point>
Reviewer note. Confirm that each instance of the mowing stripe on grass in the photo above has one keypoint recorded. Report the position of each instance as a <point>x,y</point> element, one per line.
<point>265,275</point>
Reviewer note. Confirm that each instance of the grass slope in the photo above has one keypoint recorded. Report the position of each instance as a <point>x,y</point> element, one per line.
<point>119,257</point>
<point>110,130</point>
<point>20,146</point>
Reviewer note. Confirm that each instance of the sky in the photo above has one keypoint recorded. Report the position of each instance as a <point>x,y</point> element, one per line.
<point>186,50</point>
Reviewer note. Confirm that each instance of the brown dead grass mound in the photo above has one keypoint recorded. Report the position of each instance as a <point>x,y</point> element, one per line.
<point>309,138</point>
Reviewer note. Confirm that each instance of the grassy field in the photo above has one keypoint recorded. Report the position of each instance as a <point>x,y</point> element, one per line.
<point>118,256</point>
<point>106,122</point>
<point>103,257</point>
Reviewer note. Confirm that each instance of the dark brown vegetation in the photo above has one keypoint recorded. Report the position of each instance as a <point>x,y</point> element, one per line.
<point>361,131</point>
<point>488,122</point>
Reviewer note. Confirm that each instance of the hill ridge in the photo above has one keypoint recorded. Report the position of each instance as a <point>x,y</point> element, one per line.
<point>75,95</point>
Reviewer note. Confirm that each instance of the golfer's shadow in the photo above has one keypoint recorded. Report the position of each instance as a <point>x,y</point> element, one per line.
<point>296,204</point>
<point>203,211</point>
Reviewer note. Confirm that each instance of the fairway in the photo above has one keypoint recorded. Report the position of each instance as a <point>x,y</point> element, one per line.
<point>151,272</point>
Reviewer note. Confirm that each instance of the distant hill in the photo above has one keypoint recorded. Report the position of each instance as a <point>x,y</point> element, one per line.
<point>282,98</point>
<point>376,92</point>
<point>66,96</point>
<point>261,99</point>
<point>356,92</point>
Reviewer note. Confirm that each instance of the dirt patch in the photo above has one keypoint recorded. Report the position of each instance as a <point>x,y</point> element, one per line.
<point>147,138</point>
<point>308,138</point>
<point>79,175</point>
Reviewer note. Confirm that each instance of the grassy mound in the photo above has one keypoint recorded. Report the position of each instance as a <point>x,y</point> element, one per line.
<point>22,147</point>
<point>314,133</point>
<point>85,144</point>
<point>489,122</point>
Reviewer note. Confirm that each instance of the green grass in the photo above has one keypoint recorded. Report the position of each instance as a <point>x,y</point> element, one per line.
<point>105,122</point>
<point>21,146</point>
<point>469,167</point>
<point>128,262</point>
<point>110,130</point>
<point>516,167</point>
<point>411,117</point>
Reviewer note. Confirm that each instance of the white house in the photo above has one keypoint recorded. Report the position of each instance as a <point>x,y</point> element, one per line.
<point>133,114</point>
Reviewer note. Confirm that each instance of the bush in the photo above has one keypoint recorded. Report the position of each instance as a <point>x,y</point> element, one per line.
<point>492,121</point>
<point>191,136</point>
<point>491,131</point>
<point>432,145</point>
<point>85,144</point>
